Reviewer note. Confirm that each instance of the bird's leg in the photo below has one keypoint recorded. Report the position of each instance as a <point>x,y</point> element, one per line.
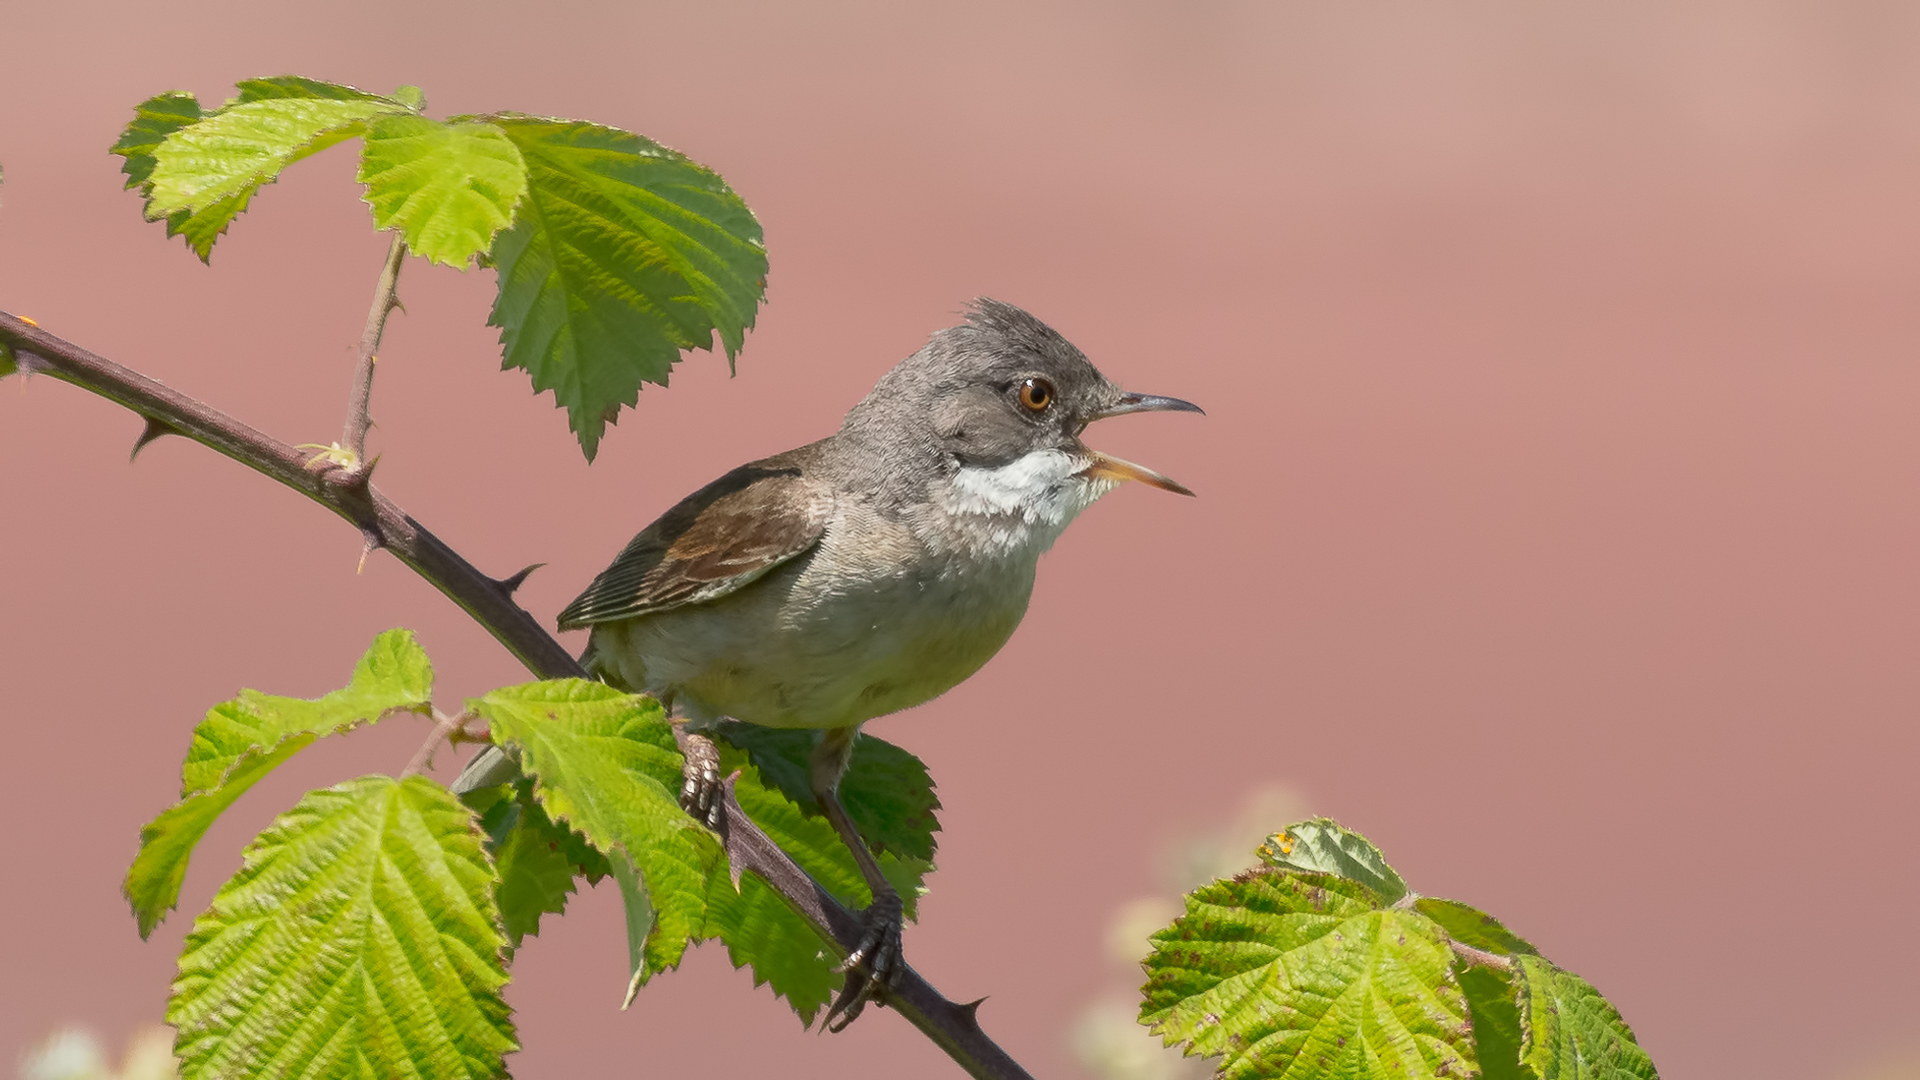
<point>700,793</point>
<point>875,963</point>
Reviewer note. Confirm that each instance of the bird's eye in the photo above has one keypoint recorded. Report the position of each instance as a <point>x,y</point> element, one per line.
<point>1036,394</point>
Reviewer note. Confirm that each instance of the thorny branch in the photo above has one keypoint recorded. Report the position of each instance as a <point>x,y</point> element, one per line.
<point>351,495</point>
<point>359,403</point>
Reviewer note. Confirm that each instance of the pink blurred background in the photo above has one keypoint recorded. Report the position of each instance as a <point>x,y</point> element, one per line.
<point>1557,520</point>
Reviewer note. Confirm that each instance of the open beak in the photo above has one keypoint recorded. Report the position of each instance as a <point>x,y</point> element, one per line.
<point>1112,468</point>
<point>1108,467</point>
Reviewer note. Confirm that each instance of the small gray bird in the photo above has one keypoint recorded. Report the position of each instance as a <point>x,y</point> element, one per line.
<point>865,573</point>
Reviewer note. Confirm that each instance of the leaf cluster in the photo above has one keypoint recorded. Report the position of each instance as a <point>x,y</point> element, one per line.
<point>371,927</point>
<point>603,763</point>
<point>613,253</point>
<point>1323,963</point>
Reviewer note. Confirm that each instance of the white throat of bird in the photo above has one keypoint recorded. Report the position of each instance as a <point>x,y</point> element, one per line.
<point>1022,507</point>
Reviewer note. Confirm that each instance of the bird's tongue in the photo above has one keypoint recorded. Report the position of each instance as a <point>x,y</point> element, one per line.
<point>1112,468</point>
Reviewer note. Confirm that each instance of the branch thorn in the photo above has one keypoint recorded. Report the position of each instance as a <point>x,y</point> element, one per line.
<point>512,582</point>
<point>372,541</point>
<point>970,1010</point>
<point>154,429</point>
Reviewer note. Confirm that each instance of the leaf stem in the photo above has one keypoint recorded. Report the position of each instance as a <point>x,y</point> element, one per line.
<point>351,495</point>
<point>443,725</point>
<point>1481,957</point>
<point>359,401</point>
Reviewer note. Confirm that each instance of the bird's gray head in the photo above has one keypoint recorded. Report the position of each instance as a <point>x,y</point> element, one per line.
<point>996,390</point>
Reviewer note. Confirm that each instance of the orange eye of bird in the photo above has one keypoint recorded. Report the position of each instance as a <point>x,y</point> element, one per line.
<point>1036,394</point>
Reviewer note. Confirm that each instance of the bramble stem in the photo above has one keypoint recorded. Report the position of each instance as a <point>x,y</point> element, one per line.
<point>351,495</point>
<point>359,402</point>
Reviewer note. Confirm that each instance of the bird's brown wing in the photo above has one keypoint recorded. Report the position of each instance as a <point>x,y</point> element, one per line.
<point>715,541</point>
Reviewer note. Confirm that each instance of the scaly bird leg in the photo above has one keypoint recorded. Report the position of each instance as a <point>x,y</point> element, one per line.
<point>700,794</point>
<point>873,966</point>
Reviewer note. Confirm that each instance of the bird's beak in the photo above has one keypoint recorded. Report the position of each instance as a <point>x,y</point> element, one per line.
<point>1106,466</point>
<point>1133,403</point>
<point>1112,468</point>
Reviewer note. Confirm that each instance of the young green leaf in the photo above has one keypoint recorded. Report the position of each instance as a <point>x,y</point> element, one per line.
<point>242,740</point>
<point>448,188</point>
<point>623,254</point>
<point>153,120</point>
<point>886,790</point>
<point>604,763</point>
<point>1569,1032</point>
<point>1323,845</point>
<point>202,173</point>
<point>1306,975</point>
<point>359,939</point>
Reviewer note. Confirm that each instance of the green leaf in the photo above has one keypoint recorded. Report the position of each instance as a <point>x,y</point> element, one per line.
<point>604,762</point>
<point>1570,1032</point>
<point>201,174</point>
<point>1496,1022</point>
<point>623,254</point>
<point>1471,926</point>
<point>448,188</point>
<point>153,120</point>
<point>761,931</point>
<point>886,790</point>
<point>536,859</point>
<point>301,88</point>
<point>1322,845</point>
<point>394,674</point>
<point>242,740</point>
<point>359,939</point>
<point>1490,999</point>
<point>1305,975</point>
<point>639,918</point>
<point>535,876</point>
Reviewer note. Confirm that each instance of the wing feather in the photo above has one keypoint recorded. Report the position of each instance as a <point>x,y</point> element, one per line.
<point>713,542</point>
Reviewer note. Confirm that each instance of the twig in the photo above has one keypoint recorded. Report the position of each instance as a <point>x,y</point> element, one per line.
<point>359,402</point>
<point>443,725</point>
<point>489,602</point>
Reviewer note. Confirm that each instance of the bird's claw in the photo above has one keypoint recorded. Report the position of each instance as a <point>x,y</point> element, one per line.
<point>702,793</point>
<point>873,967</point>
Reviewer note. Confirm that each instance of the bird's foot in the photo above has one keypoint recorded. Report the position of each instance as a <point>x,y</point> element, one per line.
<point>874,965</point>
<point>702,794</point>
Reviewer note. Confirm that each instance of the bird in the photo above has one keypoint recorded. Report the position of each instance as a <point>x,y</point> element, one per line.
<point>862,574</point>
